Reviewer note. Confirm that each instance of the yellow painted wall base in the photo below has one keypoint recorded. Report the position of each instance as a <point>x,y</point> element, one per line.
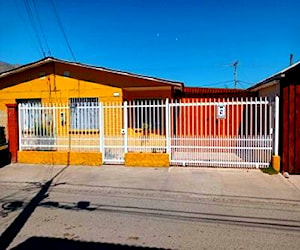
<point>60,158</point>
<point>276,162</point>
<point>147,160</point>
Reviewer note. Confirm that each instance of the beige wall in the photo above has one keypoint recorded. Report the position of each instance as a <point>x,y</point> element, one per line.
<point>270,91</point>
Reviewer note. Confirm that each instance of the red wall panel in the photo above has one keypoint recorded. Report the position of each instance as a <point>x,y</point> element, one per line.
<point>202,120</point>
<point>291,128</point>
<point>285,128</point>
<point>297,130</point>
<point>291,134</point>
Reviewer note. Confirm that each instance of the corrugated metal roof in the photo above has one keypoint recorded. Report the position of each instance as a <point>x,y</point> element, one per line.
<point>195,92</point>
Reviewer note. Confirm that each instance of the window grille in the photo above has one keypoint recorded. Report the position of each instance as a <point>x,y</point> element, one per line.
<point>84,113</point>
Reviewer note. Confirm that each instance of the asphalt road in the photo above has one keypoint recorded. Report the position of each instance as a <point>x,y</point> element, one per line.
<point>57,207</point>
<point>117,217</point>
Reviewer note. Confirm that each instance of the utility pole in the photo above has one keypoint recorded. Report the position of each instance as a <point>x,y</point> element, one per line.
<point>235,64</point>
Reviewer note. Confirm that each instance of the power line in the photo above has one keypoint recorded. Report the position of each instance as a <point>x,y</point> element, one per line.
<point>41,27</point>
<point>246,82</point>
<point>27,28</point>
<point>216,83</point>
<point>62,30</point>
<point>35,30</point>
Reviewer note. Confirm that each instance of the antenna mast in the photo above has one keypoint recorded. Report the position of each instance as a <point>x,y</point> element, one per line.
<point>235,64</point>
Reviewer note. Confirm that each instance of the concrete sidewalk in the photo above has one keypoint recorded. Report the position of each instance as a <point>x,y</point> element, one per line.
<point>235,183</point>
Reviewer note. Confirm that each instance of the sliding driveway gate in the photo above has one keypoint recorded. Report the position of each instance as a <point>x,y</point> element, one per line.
<point>200,132</point>
<point>222,133</point>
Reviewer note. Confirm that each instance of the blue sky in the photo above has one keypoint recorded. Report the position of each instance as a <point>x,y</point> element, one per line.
<point>190,41</point>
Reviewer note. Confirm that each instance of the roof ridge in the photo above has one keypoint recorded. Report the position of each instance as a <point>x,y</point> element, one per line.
<point>54,59</point>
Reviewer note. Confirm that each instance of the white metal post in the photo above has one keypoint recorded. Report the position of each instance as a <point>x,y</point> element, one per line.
<point>20,126</point>
<point>125,127</point>
<point>276,134</point>
<point>101,128</point>
<point>168,128</point>
<point>54,132</point>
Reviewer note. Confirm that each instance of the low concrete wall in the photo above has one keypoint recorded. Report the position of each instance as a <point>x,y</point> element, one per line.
<point>60,158</point>
<point>147,160</point>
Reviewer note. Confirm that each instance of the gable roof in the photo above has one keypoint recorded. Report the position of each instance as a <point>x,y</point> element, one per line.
<point>273,78</point>
<point>103,69</point>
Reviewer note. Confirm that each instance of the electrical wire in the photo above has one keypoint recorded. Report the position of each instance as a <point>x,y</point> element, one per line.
<point>35,30</point>
<point>41,27</point>
<point>62,30</point>
<point>27,28</point>
<point>249,83</point>
<point>216,83</point>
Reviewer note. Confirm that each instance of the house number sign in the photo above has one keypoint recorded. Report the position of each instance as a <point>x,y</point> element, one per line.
<point>221,111</point>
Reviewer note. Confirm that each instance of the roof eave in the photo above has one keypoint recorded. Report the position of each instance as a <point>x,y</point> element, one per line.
<point>25,67</point>
<point>179,85</point>
<point>276,76</point>
<point>264,85</point>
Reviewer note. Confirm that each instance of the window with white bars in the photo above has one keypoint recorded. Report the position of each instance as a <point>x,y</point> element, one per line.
<point>84,113</point>
<point>32,117</point>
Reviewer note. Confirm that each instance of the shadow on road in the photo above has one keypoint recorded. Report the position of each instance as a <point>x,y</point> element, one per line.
<point>14,228</point>
<point>46,243</point>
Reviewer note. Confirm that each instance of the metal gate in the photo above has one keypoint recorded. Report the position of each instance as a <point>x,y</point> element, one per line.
<point>113,133</point>
<point>135,126</point>
<point>221,132</point>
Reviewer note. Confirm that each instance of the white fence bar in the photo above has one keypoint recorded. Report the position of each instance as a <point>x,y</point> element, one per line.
<point>125,127</point>
<point>101,127</point>
<point>20,116</point>
<point>276,136</point>
<point>168,128</point>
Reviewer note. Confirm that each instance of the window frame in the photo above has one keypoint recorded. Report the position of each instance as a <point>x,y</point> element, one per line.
<point>86,108</point>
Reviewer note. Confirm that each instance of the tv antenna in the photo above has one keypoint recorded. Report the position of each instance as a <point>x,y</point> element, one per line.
<point>235,65</point>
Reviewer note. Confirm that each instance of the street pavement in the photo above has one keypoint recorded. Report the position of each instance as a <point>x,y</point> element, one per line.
<point>112,207</point>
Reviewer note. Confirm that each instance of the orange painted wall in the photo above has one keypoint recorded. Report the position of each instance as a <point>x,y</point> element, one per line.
<point>53,88</point>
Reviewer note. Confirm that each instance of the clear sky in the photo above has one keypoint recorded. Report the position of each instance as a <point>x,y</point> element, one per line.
<point>190,41</point>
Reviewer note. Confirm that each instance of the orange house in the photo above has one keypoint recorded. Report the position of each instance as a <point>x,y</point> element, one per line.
<point>54,80</point>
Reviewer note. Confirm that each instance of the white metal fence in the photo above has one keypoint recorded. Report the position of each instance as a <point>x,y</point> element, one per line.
<point>147,126</point>
<point>200,132</point>
<point>222,132</point>
<point>59,127</point>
